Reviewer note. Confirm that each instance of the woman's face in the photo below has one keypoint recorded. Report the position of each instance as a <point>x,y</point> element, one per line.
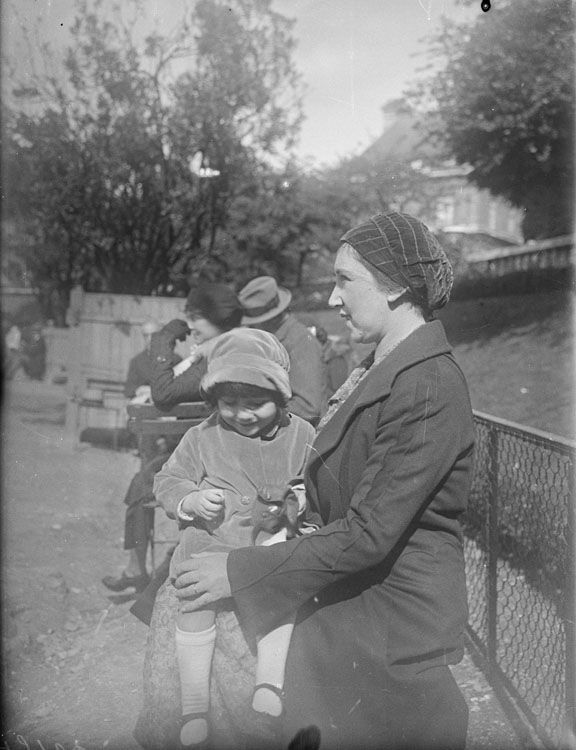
<point>362,304</point>
<point>202,329</point>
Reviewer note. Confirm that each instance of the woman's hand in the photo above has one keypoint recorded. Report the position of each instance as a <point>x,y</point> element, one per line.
<point>202,580</point>
<point>176,330</point>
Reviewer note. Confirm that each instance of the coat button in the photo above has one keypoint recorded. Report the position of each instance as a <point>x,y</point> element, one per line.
<point>245,500</point>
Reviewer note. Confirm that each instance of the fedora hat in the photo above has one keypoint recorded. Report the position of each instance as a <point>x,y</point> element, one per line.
<point>262,299</point>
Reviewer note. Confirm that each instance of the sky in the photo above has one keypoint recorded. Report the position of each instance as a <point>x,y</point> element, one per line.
<point>353,55</point>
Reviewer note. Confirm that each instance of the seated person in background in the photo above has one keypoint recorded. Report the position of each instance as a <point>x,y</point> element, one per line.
<point>267,307</point>
<point>33,350</point>
<point>209,311</point>
<point>153,453</point>
<point>12,346</point>
<point>137,391</point>
<point>139,377</point>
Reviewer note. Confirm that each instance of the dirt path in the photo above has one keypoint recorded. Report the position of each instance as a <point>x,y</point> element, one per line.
<point>72,656</point>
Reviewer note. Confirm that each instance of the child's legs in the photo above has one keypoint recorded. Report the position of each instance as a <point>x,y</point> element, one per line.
<point>270,668</point>
<point>194,622</point>
<point>195,639</point>
<point>271,658</point>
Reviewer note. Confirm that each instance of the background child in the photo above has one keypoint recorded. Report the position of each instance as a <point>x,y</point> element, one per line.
<point>211,482</point>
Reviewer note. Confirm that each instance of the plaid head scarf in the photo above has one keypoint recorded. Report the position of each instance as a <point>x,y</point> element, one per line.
<point>406,251</point>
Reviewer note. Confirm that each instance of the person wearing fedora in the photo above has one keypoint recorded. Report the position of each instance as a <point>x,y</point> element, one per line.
<point>266,306</point>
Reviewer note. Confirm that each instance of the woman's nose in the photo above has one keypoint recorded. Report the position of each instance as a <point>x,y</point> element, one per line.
<point>334,300</point>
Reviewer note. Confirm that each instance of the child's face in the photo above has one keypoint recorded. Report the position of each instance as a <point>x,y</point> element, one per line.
<point>248,416</point>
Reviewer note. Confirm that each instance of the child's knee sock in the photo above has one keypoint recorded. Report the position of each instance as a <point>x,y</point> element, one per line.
<point>194,652</point>
<point>272,653</point>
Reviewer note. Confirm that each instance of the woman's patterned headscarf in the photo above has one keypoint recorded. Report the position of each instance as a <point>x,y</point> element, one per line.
<point>404,249</point>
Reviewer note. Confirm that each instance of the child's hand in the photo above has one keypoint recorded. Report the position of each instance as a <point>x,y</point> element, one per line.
<point>206,504</point>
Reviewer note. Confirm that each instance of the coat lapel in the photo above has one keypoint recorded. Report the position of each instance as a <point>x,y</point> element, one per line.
<point>427,341</point>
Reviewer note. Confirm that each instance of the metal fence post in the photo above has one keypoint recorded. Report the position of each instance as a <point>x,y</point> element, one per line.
<point>493,551</point>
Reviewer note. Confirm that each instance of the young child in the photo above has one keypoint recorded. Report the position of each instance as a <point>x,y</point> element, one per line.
<point>211,482</point>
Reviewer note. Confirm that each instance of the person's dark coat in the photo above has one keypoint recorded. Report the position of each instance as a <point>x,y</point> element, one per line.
<point>167,389</point>
<point>380,592</point>
<point>306,368</point>
<point>33,352</point>
<point>140,371</point>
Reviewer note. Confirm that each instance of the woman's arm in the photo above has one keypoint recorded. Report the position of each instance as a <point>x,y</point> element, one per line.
<point>422,430</point>
<point>168,389</point>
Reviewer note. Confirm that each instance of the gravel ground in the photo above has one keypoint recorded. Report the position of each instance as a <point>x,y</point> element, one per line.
<point>72,654</point>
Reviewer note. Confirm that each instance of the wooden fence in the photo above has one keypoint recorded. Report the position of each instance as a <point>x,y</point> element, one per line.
<point>105,333</point>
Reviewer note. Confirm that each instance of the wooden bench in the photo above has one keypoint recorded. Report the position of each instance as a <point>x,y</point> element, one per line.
<point>103,395</point>
<point>147,419</point>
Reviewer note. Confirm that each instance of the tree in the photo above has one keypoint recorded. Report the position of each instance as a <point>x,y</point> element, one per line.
<point>123,167</point>
<point>504,103</point>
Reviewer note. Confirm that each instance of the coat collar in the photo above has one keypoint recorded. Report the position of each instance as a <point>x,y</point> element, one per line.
<point>424,343</point>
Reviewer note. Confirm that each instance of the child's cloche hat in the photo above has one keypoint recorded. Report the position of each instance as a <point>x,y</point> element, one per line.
<point>248,355</point>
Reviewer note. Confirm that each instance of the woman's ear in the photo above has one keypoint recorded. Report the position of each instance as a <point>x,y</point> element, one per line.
<point>395,296</point>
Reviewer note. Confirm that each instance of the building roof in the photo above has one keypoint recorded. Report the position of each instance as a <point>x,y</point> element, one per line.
<point>402,137</point>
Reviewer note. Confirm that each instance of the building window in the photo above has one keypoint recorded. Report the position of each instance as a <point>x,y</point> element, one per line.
<point>445,211</point>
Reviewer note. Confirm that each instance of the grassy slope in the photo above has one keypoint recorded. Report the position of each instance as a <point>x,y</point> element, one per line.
<point>517,353</point>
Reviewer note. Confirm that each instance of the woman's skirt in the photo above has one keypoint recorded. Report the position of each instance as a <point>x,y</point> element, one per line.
<point>234,725</point>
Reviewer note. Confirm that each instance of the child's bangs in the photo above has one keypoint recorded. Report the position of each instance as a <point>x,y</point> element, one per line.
<point>245,390</point>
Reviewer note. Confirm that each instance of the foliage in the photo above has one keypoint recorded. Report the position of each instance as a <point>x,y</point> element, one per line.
<point>505,103</point>
<point>385,177</point>
<point>124,166</point>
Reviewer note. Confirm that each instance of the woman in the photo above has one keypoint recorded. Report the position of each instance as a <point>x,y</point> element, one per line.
<point>209,312</point>
<point>379,591</point>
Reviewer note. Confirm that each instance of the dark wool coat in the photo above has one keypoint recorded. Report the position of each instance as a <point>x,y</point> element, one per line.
<point>380,591</point>
<point>168,389</point>
<point>306,368</point>
<point>139,373</point>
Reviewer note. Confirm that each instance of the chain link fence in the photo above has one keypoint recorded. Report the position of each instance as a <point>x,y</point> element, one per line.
<point>520,541</point>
